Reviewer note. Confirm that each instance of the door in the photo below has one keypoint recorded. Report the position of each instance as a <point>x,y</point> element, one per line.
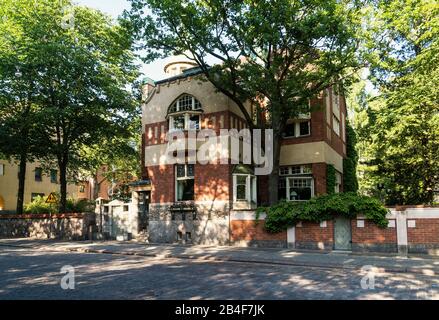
<point>342,234</point>
<point>144,200</point>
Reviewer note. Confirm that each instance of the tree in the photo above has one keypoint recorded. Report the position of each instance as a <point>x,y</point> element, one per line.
<point>350,182</point>
<point>18,90</point>
<point>279,52</point>
<point>84,72</point>
<point>120,156</point>
<point>403,120</point>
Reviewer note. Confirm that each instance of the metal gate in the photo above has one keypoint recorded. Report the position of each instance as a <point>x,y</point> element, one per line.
<point>342,234</point>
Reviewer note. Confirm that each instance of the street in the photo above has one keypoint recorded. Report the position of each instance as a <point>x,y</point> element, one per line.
<point>34,274</point>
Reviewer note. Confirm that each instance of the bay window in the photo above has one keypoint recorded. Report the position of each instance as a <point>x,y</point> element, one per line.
<point>296,183</point>
<point>184,184</point>
<point>244,188</point>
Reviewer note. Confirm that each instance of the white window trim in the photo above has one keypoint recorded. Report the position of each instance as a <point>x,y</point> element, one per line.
<point>302,171</point>
<point>250,195</point>
<point>288,187</point>
<point>337,132</point>
<point>187,116</point>
<point>297,130</point>
<point>177,178</point>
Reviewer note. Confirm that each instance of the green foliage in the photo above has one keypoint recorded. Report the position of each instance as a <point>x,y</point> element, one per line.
<point>350,182</point>
<point>330,179</point>
<point>399,126</point>
<point>287,214</point>
<point>78,78</point>
<point>39,205</point>
<point>262,51</point>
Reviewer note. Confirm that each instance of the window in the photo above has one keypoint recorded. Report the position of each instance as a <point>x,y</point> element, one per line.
<point>244,195</point>
<point>336,125</point>
<point>290,130</point>
<point>35,195</point>
<point>2,169</point>
<point>184,182</point>
<point>297,129</point>
<point>81,188</point>
<point>304,128</point>
<point>184,114</point>
<point>38,174</point>
<point>282,190</point>
<point>337,182</point>
<point>295,170</point>
<point>296,183</point>
<point>54,176</point>
<point>241,188</point>
<point>300,189</point>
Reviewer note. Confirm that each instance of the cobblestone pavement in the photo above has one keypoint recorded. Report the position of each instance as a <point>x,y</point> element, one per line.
<point>31,274</point>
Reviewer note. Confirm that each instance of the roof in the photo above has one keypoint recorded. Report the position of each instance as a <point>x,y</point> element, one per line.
<point>186,73</point>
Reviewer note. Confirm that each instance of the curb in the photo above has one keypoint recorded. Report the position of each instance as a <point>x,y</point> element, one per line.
<point>218,259</point>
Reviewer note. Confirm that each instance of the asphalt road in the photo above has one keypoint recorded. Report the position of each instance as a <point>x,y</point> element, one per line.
<point>34,274</point>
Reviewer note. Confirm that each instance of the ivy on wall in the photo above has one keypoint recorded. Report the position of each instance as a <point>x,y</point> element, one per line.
<point>287,214</point>
<point>350,182</point>
<point>330,179</point>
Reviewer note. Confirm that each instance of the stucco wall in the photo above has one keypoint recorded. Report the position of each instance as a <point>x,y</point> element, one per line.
<point>9,184</point>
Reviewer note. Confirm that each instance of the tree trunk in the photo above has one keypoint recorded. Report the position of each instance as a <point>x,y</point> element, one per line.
<point>95,186</point>
<point>63,185</point>
<point>273,179</point>
<point>21,182</point>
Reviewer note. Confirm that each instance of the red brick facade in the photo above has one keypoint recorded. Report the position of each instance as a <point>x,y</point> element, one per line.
<point>372,234</point>
<point>248,230</point>
<point>426,231</point>
<point>312,232</point>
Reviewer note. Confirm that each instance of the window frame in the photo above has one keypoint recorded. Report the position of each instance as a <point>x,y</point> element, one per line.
<point>175,110</point>
<point>299,178</point>
<point>38,178</point>
<point>297,124</point>
<point>2,169</point>
<point>53,171</point>
<point>185,177</point>
<point>335,120</point>
<point>250,200</point>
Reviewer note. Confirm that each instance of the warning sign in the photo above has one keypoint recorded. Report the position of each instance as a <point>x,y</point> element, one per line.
<point>51,198</point>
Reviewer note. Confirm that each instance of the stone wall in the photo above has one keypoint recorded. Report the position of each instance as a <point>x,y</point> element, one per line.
<point>69,226</point>
<point>209,225</point>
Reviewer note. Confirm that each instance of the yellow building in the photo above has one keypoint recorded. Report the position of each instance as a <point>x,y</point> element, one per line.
<point>37,183</point>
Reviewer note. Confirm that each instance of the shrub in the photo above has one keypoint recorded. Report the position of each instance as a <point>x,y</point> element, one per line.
<point>39,205</point>
<point>286,214</point>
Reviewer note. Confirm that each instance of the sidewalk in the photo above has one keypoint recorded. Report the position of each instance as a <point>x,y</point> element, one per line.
<point>424,265</point>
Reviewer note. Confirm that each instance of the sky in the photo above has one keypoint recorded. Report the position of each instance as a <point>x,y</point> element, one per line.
<point>114,8</point>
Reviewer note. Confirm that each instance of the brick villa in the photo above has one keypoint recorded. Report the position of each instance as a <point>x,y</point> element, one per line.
<point>200,203</point>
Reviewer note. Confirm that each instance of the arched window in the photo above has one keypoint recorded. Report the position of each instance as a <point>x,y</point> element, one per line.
<point>184,113</point>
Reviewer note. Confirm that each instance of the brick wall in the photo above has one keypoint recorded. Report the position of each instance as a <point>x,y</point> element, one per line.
<point>372,234</point>
<point>248,230</point>
<point>312,236</point>
<point>373,238</point>
<point>162,183</point>
<point>213,182</point>
<point>426,231</point>
<point>319,174</point>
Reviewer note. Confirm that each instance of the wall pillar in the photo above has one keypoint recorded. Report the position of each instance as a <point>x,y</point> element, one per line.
<point>291,237</point>
<point>401,232</point>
